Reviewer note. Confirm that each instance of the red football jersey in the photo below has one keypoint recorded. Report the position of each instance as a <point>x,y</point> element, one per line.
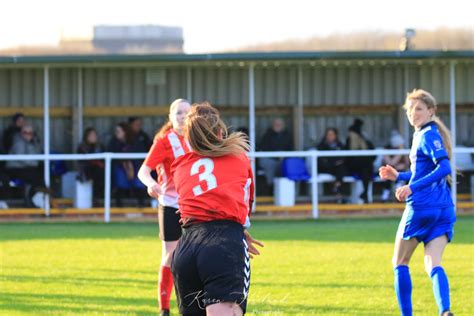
<point>215,188</point>
<point>163,152</point>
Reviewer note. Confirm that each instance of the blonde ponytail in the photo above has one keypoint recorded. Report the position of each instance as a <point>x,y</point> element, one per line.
<point>207,133</point>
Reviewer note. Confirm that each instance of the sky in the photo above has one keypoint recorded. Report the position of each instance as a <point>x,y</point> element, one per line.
<point>213,25</point>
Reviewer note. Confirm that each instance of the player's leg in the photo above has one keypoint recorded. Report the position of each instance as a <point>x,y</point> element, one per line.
<point>224,309</point>
<point>403,252</point>
<point>433,253</point>
<point>170,232</point>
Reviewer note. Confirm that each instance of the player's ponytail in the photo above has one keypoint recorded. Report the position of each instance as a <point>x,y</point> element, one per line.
<point>207,133</point>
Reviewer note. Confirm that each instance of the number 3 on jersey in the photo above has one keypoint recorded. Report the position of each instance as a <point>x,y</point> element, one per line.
<point>206,175</point>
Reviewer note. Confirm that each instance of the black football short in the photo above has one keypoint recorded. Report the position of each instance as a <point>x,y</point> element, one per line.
<point>170,228</point>
<point>211,265</point>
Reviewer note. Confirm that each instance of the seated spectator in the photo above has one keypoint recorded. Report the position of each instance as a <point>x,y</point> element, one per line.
<point>332,165</point>
<point>361,166</point>
<point>92,169</point>
<point>399,162</point>
<point>3,181</point>
<point>28,171</point>
<point>18,120</point>
<point>124,173</point>
<point>276,138</point>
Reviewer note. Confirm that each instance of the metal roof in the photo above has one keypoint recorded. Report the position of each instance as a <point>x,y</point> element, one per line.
<point>239,57</point>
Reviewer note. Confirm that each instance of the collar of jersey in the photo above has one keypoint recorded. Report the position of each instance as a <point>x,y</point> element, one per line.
<point>430,123</point>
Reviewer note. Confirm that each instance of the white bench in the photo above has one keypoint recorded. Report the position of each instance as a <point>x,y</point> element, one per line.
<point>465,163</point>
<point>357,187</point>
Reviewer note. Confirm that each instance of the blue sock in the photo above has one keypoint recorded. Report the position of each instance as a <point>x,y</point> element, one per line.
<point>440,289</point>
<point>403,289</point>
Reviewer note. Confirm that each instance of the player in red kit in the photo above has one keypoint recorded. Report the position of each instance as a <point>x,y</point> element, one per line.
<point>211,264</point>
<point>168,145</point>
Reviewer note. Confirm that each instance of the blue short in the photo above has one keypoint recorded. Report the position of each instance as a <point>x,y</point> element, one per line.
<point>427,224</point>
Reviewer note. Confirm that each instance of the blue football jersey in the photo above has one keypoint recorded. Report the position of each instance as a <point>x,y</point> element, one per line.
<point>426,153</point>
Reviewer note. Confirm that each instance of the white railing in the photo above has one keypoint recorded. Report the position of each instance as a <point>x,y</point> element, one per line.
<point>314,154</point>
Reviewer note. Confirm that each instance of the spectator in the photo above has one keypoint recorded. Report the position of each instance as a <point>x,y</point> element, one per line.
<point>275,138</point>
<point>3,181</point>
<point>91,169</point>
<point>124,173</point>
<point>141,142</point>
<point>332,165</point>
<point>28,171</point>
<point>361,165</point>
<point>399,162</point>
<point>18,120</point>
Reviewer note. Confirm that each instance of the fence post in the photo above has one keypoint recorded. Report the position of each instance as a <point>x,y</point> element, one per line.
<point>107,187</point>
<point>314,183</point>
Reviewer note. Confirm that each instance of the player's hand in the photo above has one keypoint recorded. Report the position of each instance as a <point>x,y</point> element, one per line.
<point>403,192</point>
<point>388,172</point>
<point>154,190</point>
<point>251,244</point>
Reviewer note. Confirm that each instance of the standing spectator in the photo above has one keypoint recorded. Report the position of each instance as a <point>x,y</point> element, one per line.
<point>361,165</point>
<point>332,165</point>
<point>92,169</point>
<point>18,121</point>
<point>141,142</point>
<point>276,138</point>
<point>399,162</point>
<point>28,171</point>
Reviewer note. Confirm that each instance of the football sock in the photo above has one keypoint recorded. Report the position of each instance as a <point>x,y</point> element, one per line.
<point>165,287</point>
<point>440,288</point>
<point>403,289</point>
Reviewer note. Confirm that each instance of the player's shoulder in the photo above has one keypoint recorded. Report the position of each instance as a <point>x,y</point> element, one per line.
<point>188,157</point>
<point>165,138</point>
<point>431,134</point>
<point>240,159</point>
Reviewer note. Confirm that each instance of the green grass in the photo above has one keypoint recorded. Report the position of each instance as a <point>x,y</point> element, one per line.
<point>331,267</point>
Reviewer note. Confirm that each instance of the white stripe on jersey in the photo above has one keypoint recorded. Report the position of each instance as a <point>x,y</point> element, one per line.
<point>414,149</point>
<point>175,145</point>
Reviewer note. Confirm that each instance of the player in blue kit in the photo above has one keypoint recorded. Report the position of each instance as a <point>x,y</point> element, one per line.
<point>429,215</point>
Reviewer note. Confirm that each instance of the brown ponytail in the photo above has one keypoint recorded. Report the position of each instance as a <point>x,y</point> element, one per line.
<point>207,133</point>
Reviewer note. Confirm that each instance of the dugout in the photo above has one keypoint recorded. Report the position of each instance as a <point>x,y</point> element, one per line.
<point>309,90</point>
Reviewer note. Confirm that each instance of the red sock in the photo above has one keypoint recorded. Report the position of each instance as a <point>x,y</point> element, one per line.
<point>165,286</point>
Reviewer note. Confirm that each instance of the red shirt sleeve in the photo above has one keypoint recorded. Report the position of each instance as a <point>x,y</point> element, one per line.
<point>156,154</point>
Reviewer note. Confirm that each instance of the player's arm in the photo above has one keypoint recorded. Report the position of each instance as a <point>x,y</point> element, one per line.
<point>153,188</point>
<point>252,243</point>
<point>442,169</point>
<point>152,159</point>
<point>432,146</point>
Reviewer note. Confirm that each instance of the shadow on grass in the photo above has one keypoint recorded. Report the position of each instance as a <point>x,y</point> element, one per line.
<point>80,304</point>
<point>78,281</point>
<point>320,285</point>
<point>268,308</point>
<point>330,230</point>
<point>88,270</point>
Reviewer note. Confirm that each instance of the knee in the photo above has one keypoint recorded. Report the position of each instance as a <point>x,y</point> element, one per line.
<point>166,259</point>
<point>431,266</point>
<point>400,261</point>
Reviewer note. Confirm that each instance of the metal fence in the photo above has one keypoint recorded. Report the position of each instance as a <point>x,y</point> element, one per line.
<point>312,154</point>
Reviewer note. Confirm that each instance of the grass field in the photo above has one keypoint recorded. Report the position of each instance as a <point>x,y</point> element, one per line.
<point>330,267</point>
